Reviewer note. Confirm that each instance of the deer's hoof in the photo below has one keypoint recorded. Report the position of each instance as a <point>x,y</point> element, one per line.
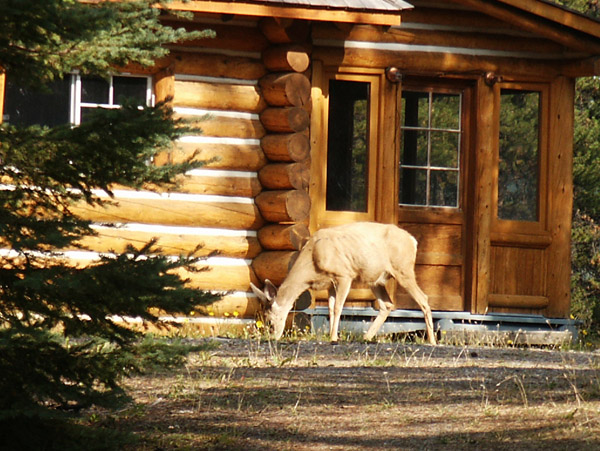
<point>334,342</point>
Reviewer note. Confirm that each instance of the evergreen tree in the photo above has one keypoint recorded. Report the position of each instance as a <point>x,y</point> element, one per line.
<point>585,282</point>
<point>61,347</point>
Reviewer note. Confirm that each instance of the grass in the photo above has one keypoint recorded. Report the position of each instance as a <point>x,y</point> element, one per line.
<point>304,393</point>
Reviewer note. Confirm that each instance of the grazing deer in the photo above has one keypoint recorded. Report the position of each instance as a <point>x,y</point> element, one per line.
<point>332,258</point>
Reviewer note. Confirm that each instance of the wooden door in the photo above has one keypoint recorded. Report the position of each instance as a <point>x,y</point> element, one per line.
<point>433,179</point>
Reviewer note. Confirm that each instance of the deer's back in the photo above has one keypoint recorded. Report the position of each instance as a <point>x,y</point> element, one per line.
<point>364,251</point>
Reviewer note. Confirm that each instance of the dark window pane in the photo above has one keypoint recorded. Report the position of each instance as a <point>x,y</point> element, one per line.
<point>414,148</point>
<point>413,184</point>
<point>445,111</point>
<point>94,90</point>
<point>444,188</point>
<point>444,149</point>
<point>518,163</point>
<point>415,107</point>
<point>86,113</point>
<point>133,88</point>
<point>348,146</point>
<point>25,106</point>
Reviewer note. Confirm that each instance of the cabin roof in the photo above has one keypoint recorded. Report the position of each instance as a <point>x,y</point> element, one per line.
<point>542,17</point>
<point>366,5</point>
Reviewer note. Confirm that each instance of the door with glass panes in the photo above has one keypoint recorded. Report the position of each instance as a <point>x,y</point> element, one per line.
<point>432,187</point>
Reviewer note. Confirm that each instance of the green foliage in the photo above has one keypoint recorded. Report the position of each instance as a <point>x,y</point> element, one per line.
<point>44,39</point>
<point>518,165</point>
<point>62,347</point>
<point>585,282</point>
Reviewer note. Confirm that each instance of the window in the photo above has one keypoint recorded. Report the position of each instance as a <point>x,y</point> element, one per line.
<point>70,100</point>
<point>431,134</point>
<point>518,165</point>
<point>348,146</point>
<point>49,106</point>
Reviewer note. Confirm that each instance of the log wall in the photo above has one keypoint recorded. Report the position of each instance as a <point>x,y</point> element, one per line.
<point>214,84</point>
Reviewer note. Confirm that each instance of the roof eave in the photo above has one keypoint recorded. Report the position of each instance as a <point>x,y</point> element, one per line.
<point>288,12</point>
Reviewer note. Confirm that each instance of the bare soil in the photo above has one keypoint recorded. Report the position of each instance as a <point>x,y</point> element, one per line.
<point>307,395</point>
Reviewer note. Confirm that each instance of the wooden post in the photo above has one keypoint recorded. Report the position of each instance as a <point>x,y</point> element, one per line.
<point>560,160</point>
<point>486,145</point>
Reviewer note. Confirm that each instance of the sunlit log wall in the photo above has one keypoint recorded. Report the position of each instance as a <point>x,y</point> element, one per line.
<point>248,92</point>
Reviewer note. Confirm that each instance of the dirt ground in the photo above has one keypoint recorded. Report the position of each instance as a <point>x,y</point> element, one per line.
<point>306,395</point>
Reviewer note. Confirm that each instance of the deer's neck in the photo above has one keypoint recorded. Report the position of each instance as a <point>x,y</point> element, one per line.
<point>299,279</point>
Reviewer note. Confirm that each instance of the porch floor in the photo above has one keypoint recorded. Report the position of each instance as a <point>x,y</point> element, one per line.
<point>454,326</point>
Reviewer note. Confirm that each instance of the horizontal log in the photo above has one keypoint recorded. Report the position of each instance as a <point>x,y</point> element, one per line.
<point>218,183</point>
<point>288,89</point>
<point>285,176</point>
<point>222,185</point>
<point>215,65</point>
<point>284,206</point>
<point>218,96</point>
<point>220,156</point>
<point>285,120</point>
<point>283,237</point>
<point>273,265</point>
<point>117,239</point>
<point>441,38</point>
<point>286,146</point>
<point>226,127</point>
<point>232,307</point>
<point>228,215</point>
<point>514,301</point>
<point>286,58</point>
<point>221,278</point>
<point>229,37</point>
<point>284,31</point>
<point>427,62</point>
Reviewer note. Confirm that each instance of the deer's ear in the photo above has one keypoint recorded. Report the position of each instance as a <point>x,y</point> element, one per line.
<point>264,297</point>
<point>270,290</point>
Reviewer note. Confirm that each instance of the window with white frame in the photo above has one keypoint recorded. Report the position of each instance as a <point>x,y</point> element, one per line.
<point>71,99</point>
<point>430,147</point>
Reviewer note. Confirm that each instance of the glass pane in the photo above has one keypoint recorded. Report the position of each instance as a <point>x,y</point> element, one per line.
<point>518,163</point>
<point>444,188</point>
<point>415,109</point>
<point>444,149</point>
<point>445,111</point>
<point>414,148</point>
<point>94,90</point>
<point>133,88</point>
<point>413,183</point>
<point>348,146</point>
<point>86,113</point>
<point>25,106</point>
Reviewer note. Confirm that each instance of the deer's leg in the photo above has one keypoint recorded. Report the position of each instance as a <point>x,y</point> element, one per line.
<point>341,293</point>
<point>331,299</point>
<point>410,284</point>
<point>385,305</point>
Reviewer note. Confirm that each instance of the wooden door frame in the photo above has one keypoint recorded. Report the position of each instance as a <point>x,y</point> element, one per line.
<point>382,171</point>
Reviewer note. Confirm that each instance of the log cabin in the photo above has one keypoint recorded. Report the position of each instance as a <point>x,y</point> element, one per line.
<point>450,118</point>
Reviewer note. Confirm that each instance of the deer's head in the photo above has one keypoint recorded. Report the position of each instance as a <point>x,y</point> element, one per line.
<point>275,315</point>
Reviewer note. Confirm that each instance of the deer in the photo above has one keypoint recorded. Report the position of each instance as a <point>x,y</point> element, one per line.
<point>333,258</point>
